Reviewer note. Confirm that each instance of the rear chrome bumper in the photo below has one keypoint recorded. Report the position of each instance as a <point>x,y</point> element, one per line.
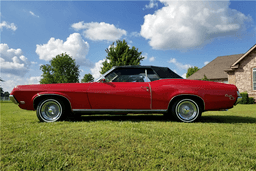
<point>13,99</point>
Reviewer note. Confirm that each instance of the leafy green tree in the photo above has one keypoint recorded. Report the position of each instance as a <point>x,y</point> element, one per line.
<point>120,55</point>
<point>6,94</point>
<point>87,78</point>
<point>191,71</point>
<point>205,78</point>
<point>62,69</point>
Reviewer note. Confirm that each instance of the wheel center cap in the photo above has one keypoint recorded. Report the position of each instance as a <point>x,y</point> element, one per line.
<point>51,110</point>
<point>186,110</point>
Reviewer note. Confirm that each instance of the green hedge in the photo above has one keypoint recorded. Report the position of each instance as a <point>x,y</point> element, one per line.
<point>246,99</point>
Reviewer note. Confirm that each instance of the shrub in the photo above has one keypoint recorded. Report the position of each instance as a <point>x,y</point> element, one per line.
<point>250,100</point>
<point>244,98</point>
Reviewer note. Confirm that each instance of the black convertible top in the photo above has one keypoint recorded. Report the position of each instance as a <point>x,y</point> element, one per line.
<point>162,72</point>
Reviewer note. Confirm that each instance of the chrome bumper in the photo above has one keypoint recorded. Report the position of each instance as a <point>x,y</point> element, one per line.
<point>12,98</point>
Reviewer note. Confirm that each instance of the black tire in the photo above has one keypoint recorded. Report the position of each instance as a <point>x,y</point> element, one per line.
<point>51,110</point>
<point>186,110</point>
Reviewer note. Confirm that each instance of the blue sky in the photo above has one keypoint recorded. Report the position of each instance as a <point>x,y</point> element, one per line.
<point>175,34</point>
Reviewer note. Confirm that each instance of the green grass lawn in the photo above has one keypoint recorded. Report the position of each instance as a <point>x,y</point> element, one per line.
<point>220,141</point>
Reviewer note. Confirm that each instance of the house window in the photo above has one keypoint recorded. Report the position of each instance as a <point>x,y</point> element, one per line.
<point>254,78</point>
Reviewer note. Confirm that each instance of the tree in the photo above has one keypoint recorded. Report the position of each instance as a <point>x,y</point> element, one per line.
<point>191,71</point>
<point>120,55</point>
<point>62,69</point>
<point>1,89</point>
<point>6,94</point>
<point>87,78</point>
<point>205,78</point>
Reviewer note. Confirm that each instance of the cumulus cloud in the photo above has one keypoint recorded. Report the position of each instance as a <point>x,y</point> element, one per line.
<point>97,68</point>
<point>11,26</point>
<point>99,31</point>
<point>178,64</point>
<point>152,59</point>
<point>190,24</point>
<point>74,46</point>
<point>13,61</point>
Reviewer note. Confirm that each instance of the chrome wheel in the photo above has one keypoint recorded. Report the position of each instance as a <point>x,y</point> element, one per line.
<point>49,110</point>
<point>187,110</point>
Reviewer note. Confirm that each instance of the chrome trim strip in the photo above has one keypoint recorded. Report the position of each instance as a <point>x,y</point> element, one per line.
<point>38,95</point>
<point>13,99</point>
<point>119,110</point>
<point>186,95</point>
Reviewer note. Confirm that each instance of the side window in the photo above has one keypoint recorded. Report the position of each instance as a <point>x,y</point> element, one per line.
<point>126,75</point>
<point>152,75</point>
<point>254,78</point>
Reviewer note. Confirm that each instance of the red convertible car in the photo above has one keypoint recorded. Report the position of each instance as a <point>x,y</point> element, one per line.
<point>127,89</point>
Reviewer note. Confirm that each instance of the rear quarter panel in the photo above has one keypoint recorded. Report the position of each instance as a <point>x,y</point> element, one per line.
<point>215,95</point>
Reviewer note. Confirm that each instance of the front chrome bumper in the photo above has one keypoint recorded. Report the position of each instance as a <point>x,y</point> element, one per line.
<point>13,99</point>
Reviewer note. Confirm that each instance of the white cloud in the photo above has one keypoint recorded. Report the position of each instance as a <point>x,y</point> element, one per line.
<point>33,14</point>
<point>135,34</point>
<point>10,81</point>
<point>11,26</point>
<point>99,31</point>
<point>184,75</point>
<point>97,68</point>
<point>206,62</point>
<point>33,80</point>
<point>32,62</point>
<point>145,55</point>
<point>152,4</point>
<point>13,61</point>
<point>74,46</point>
<point>189,24</point>
<point>152,59</point>
<point>179,65</point>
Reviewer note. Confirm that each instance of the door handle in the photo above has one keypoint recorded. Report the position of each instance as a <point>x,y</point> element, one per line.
<point>144,87</point>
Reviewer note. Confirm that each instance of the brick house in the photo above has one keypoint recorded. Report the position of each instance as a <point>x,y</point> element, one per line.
<point>239,70</point>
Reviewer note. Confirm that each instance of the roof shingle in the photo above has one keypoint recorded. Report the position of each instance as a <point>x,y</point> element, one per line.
<point>215,69</point>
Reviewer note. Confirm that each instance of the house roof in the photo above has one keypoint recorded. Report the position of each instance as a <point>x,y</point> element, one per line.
<point>242,57</point>
<point>216,68</point>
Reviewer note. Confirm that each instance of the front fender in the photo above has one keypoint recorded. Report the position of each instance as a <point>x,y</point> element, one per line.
<point>39,95</point>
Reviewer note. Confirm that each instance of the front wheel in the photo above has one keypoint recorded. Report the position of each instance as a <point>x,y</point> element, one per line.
<point>50,110</point>
<point>186,110</point>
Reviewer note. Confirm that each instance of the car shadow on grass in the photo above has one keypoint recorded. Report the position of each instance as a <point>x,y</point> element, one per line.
<point>227,119</point>
<point>161,118</point>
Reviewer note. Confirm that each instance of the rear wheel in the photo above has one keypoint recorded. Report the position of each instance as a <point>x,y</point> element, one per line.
<point>51,110</point>
<point>186,110</point>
